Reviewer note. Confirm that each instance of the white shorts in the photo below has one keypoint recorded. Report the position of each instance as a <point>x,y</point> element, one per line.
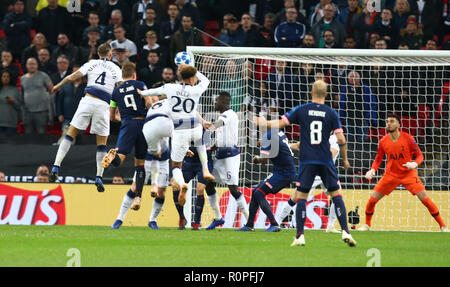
<point>316,183</point>
<point>92,111</point>
<point>182,139</point>
<point>226,170</point>
<point>157,132</point>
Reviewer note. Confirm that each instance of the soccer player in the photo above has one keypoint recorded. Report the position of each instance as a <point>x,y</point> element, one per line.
<point>227,159</point>
<point>184,98</point>
<point>289,205</point>
<point>317,120</point>
<point>132,110</point>
<point>283,174</point>
<point>102,76</point>
<point>399,148</point>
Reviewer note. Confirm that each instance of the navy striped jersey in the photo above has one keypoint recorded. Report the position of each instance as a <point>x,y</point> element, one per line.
<point>317,122</point>
<point>130,103</point>
<point>276,148</point>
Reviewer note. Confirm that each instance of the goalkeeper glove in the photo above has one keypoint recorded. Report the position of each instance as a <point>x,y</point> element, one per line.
<point>370,174</point>
<point>411,165</point>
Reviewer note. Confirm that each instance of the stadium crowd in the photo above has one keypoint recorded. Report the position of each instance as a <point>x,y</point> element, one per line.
<point>42,41</point>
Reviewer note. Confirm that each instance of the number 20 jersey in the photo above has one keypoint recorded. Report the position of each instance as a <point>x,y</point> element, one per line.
<point>317,122</point>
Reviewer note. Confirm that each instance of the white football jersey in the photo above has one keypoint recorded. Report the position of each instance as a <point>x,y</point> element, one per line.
<point>160,107</point>
<point>228,134</point>
<point>334,145</point>
<point>183,98</point>
<point>102,74</point>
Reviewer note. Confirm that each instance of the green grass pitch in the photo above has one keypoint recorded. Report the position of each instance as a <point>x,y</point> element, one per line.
<point>48,246</point>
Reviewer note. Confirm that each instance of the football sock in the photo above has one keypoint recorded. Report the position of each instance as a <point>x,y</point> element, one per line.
<point>214,203</point>
<point>140,178</point>
<point>179,208</point>
<point>252,209</point>
<point>178,176</point>
<point>260,197</point>
<point>63,148</point>
<point>341,213</point>
<point>203,156</point>
<point>434,211</point>
<point>116,162</point>
<point>154,171</point>
<point>291,202</point>
<point>240,200</point>
<point>199,203</point>
<point>300,217</point>
<point>332,215</point>
<point>210,188</point>
<point>156,208</point>
<point>101,152</point>
<point>370,209</point>
<point>126,203</point>
<point>287,208</point>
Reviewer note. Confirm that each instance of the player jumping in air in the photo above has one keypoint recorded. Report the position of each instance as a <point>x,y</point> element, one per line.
<point>283,174</point>
<point>316,120</point>
<point>102,75</point>
<point>399,148</point>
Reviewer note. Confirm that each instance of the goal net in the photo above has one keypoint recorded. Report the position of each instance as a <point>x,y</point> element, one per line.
<point>363,86</point>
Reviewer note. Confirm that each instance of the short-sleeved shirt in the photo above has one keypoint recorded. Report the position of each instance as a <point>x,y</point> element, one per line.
<point>276,148</point>
<point>227,135</point>
<point>35,92</point>
<point>317,122</point>
<point>127,99</point>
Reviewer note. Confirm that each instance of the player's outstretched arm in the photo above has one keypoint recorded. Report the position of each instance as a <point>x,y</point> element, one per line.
<point>277,124</point>
<point>69,79</point>
<point>204,81</point>
<point>342,142</point>
<point>151,92</point>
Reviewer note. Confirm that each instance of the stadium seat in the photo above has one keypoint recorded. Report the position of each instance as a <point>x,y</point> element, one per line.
<point>375,134</point>
<point>55,129</point>
<point>409,125</point>
<point>212,28</point>
<point>293,132</point>
<point>423,116</point>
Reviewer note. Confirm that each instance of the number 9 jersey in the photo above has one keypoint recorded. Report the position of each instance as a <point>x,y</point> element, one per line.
<point>317,122</point>
<point>127,99</point>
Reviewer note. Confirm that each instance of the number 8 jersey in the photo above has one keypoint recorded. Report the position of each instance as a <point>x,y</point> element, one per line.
<point>317,122</point>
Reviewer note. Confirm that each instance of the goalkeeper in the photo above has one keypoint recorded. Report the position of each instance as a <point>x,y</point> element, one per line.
<point>399,148</point>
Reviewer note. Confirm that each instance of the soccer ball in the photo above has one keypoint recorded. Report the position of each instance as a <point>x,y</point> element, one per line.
<point>182,58</point>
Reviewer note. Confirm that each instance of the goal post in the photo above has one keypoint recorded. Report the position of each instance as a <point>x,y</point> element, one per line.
<point>363,86</point>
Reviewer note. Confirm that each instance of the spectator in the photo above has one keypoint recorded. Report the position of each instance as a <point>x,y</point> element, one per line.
<point>67,100</point>
<point>121,42</point>
<point>17,25</point>
<point>402,10</point>
<point>42,174</point>
<point>309,41</point>
<point>225,20</point>
<point>373,38</point>
<point>267,29</point>
<point>329,40</point>
<point>152,72</point>
<point>138,10</point>
<point>305,81</point>
<point>2,176</point>
<point>234,84</point>
<point>65,47</point>
<point>152,44</point>
<point>52,21</point>
<point>233,36</point>
<point>319,11</point>
<point>37,44</point>
<point>183,37</point>
<point>253,37</point>
<point>428,16</point>
<point>403,46</point>
<point>412,35</point>
<point>94,22</point>
<point>88,49</point>
<point>358,107</point>
<point>115,20</point>
<point>364,24</point>
<point>280,17</point>
<point>63,69</point>
<point>7,64</point>
<point>109,6</point>
<point>118,179</point>
<point>120,56</point>
<point>35,98</point>
<point>168,77</point>
<point>346,15</point>
<point>349,42</point>
<point>328,22</point>
<point>381,44</point>
<point>187,8</point>
<point>9,104</point>
<point>258,8</point>
<point>431,45</point>
<point>148,24</point>
<point>282,86</point>
<point>386,29</point>
<point>405,105</point>
<point>170,26</point>
<point>290,33</point>
<point>45,65</point>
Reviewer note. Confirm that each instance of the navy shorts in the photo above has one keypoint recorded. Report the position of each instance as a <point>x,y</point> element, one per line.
<point>276,182</point>
<point>308,172</point>
<point>193,167</point>
<point>130,135</point>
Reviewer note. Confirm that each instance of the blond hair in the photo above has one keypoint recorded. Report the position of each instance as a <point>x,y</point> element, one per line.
<point>319,89</point>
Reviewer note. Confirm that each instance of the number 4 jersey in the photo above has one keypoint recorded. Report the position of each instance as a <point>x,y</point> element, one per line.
<point>317,122</point>
<point>127,99</point>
